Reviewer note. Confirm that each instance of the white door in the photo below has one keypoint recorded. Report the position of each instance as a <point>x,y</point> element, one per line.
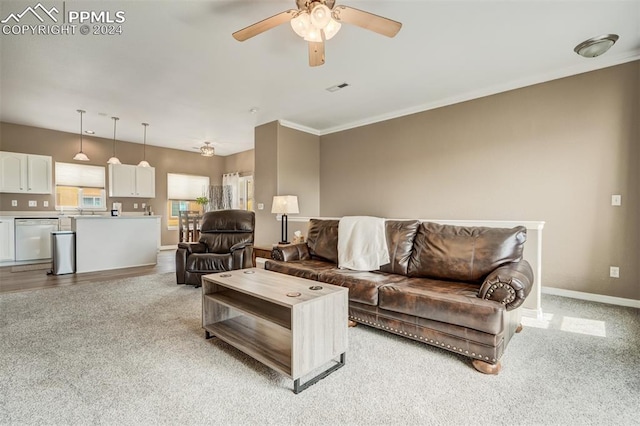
<point>39,174</point>
<point>6,239</point>
<point>145,182</point>
<point>122,180</point>
<point>13,172</point>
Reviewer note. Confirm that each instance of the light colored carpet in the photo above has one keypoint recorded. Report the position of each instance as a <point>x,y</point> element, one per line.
<point>133,352</point>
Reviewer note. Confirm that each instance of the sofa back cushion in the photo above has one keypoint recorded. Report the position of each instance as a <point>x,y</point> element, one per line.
<point>463,253</point>
<point>322,239</point>
<point>400,236</point>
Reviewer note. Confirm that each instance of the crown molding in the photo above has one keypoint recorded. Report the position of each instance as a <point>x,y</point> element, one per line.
<point>300,127</point>
<point>585,65</point>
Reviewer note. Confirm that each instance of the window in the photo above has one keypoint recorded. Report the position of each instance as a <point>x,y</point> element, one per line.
<point>182,191</point>
<point>80,187</point>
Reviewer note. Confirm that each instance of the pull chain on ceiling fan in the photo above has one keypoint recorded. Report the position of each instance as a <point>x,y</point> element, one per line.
<point>319,20</point>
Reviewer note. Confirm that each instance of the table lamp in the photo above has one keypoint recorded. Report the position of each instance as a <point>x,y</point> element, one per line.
<point>284,204</point>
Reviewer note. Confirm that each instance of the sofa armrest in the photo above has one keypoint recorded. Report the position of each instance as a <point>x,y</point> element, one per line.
<point>291,252</point>
<point>510,284</point>
<point>193,247</point>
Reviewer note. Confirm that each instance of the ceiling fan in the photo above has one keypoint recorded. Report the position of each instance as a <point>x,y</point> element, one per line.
<point>319,20</point>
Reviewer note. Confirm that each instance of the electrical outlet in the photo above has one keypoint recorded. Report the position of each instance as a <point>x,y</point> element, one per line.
<point>144,205</point>
<point>45,204</point>
<point>614,272</point>
<point>135,205</point>
<point>33,203</point>
<point>616,200</point>
<point>14,203</point>
<point>260,206</point>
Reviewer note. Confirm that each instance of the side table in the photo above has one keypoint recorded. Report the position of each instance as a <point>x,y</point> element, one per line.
<point>261,252</point>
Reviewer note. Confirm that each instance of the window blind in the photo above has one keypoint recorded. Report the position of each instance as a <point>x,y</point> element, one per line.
<point>69,174</point>
<point>186,187</point>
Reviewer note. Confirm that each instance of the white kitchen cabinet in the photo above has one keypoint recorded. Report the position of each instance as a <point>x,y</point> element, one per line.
<point>25,173</point>
<point>6,239</point>
<point>132,181</point>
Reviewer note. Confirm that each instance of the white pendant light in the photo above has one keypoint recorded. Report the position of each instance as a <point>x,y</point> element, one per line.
<point>81,156</point>
<point>207,150</point>
<point>144,162</point>
<point>114,159</point>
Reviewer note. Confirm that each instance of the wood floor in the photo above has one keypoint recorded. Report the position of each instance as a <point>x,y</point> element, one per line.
<point>38,279</point>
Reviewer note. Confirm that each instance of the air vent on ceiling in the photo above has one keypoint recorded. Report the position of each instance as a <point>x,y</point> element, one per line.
<point>337,87</point>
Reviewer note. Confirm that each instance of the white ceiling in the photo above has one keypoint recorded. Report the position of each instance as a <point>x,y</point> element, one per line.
<point>177,67</point>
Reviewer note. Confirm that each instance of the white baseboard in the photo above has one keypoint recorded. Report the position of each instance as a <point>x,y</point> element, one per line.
<point>170,247</point>
<point>620,301</point>
<point>532,313</point>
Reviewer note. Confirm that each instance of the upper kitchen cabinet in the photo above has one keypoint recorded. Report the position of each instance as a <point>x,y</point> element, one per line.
<point>132,181</point>
<point>25,173</point>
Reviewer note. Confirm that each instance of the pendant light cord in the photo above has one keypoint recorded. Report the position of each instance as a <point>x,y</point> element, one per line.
<point>115,120</point>
<point>81,112</point>
<point>144,148</point>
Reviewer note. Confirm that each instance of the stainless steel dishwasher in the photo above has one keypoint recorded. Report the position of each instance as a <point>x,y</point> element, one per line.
<point>33,238</point>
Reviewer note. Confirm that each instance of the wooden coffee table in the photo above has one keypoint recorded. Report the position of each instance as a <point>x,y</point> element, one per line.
<point>290,324</point>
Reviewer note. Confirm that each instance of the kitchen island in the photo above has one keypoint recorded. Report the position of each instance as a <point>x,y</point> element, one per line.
<point>108,242</point>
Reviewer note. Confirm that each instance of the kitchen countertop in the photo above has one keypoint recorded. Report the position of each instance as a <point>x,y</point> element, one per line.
<point>111,217</point>
<point>53,214</point>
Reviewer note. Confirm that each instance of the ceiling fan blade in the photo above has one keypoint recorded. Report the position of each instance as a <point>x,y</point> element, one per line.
<point>316,53</point>
<point>264,25</point>
<point>366,20</point>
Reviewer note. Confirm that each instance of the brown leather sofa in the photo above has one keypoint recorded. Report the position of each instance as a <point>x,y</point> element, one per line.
<point>225,244</point>
<point>458,288</point>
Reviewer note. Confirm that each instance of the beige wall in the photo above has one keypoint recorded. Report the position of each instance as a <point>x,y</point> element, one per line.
<point>242,162</point>
<point>287,163</point>
<point>554,152</point>
<point>266,183</point>
<point>62,146</point>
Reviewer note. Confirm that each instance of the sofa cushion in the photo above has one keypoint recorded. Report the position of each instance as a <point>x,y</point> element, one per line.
<point>400,236</point>
<point>322,239</point>
<point>309,268</point>
<point>444,301</point>
<point>463,253</point>
<point>363,286</point>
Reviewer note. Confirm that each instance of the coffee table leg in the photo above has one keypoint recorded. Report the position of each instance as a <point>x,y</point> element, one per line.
<point>208,335</point>
<point>297,387</point>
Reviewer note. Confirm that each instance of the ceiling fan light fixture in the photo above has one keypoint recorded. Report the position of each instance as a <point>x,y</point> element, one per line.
<point>596,46</point>
<point>331,29</point>
<point>301,24</point>
<point>313,35</point>
<point>207,150</point>
<point>320,16</point>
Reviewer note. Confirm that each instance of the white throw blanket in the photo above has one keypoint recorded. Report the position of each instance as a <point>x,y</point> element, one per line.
<point>362,243</point>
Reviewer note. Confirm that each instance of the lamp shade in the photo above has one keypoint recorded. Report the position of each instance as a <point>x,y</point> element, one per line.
<point>285,204</point>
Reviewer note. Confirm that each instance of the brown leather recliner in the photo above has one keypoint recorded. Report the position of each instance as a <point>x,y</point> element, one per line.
<point>225,244</point>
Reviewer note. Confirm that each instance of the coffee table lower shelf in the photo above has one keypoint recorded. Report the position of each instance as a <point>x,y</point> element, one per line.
<point>246,334</point>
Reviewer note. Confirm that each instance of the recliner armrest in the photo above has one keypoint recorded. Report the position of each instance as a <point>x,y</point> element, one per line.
<point>240,246</point>
<point>291,252</point>
<point>193,247</point>
<point>510,284</point>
